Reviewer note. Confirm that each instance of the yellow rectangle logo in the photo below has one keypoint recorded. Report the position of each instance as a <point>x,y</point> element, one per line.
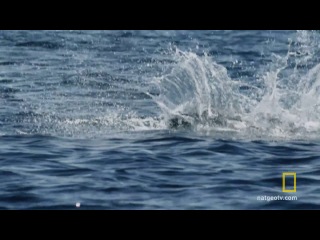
<point>284,175</point>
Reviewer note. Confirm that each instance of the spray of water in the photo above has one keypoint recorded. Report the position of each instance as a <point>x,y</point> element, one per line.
<point>283,103</point>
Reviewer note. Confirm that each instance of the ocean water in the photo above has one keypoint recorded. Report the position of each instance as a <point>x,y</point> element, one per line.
<point>159,119</point>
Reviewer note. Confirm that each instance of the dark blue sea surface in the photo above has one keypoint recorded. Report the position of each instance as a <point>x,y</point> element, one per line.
<point>159,119</point>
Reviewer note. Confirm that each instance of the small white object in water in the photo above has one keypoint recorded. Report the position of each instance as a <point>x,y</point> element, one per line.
<point>77,204</point>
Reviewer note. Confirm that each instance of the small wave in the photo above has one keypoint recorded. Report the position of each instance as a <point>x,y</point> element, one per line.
<point>41,44</point>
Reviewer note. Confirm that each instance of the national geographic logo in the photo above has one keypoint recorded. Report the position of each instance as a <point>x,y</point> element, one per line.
<point>285,176</point>
<point>289,185</point>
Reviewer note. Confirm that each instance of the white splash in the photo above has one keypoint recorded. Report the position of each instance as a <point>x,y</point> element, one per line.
<point>198,92</point>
